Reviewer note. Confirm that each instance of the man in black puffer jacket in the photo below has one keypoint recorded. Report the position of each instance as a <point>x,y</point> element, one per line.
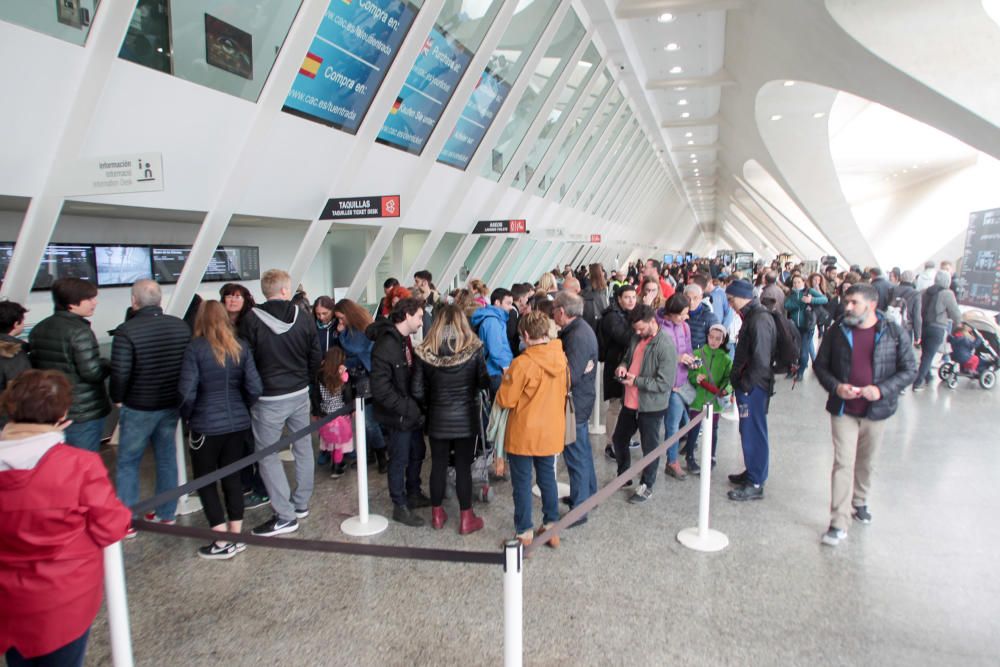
<point>146,356</point>
<point>613,336</point>
<point>865,361</point>
<point>395,407</point>
<point>65,342</point>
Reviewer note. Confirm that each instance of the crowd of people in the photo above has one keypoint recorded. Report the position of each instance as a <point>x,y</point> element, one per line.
<point>429,366</point>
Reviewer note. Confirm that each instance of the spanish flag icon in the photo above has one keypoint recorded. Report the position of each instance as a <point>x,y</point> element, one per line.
<point>395,107</point>
<point>310,66</point>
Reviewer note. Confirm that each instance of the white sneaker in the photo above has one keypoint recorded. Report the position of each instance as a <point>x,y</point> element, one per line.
<point>641,494</point>
<point>834,537</point>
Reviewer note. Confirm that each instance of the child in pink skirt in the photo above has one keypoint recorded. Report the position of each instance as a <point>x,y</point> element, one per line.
<point>335,436</point>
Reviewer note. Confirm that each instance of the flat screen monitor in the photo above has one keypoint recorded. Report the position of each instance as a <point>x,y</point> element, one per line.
<point>168,261</point>
<point>228,263</point>
<point>122,265</point>
<point>65,260</point>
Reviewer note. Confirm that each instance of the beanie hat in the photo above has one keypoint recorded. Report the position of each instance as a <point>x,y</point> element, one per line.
<point>740,289</point>
<point>719,327</point>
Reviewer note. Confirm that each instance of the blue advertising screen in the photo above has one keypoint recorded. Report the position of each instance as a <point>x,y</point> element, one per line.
<point>428,88</point>
<point>482,108</point>
<point>349,57</point>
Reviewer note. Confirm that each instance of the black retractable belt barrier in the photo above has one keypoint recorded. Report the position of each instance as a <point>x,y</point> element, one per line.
<point>618,482</point>
<point>144,506</point>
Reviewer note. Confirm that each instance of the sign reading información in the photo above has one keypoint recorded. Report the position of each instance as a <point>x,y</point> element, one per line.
<point>115,174</point>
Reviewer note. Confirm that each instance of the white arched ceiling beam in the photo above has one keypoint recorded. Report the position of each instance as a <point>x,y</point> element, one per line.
<point>759,228</point>
<point>779,232</point>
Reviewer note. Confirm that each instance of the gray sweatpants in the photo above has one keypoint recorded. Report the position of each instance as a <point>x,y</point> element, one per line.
<point>269,417</point>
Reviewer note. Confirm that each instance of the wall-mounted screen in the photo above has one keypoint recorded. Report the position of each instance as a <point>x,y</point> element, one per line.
<point>476,118</point>
<point>65,261</point>
<point>121,265</point>
<point>228,263</point>
<point>353,49</point>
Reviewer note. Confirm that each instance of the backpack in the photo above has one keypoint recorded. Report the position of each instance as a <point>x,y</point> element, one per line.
<point>896,312</point>
<point>788,344</point>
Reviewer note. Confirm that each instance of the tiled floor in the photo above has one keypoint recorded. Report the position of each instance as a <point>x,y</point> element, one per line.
<point>919,586</point>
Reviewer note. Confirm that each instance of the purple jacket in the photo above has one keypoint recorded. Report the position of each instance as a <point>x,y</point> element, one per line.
<point>680,336</point>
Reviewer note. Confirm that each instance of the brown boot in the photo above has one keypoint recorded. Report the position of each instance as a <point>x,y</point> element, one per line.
<point>438,517</point>
<point>554,542</point>
<point>469,523</point>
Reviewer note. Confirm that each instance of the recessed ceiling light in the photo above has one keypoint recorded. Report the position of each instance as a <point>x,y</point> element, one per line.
<point>776,116</point>
<point>689,134</point>
<point>672,46</point>
<point>693,155</point>
<point>916,166</point>
<point>694,161</point>
<point>685,115</point>
<point>665,17</point>
<point>789,84</point>
<point>818,114</point>
<point>691,142</point>
<point>681,89</point>
<point>676,69</point>
<point>682,103</point>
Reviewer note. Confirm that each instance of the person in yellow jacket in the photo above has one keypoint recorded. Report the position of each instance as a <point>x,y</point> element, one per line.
<point>534,390</point>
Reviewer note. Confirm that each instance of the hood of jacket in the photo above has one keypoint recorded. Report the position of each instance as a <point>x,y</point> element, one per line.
<point>486,312</point>
<point>942,279</point>
<point>21,448</point>
<point>381,328</point>
<point>277,315</point>
<point>10,346</point>
<point>549,357</point>
<point>444,357</point>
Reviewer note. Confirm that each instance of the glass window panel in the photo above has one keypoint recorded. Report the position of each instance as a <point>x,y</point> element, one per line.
<point>530,19</point>
<point>474,255</point>
<point>446,248</point>
<point>224,45</point>
<point>69,20</point>
<point>584,71</point>
<point>610,109</point>
<point>590,107</point>
<point>354,47</point>
<point>543,80</point>
<point>602,170</point>
<point>491,269</point>
<point>400,254</point>
<point>641,159</point>
<point>528,250</point>
<point>440,66</point>
<point>604,147</point>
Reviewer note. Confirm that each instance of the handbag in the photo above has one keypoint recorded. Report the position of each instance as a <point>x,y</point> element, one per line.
<point>687,392</point>
<point>569,437</point>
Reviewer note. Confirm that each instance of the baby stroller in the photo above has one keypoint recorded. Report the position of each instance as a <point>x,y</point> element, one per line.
<point>987,333</point>
<point>482,462</point>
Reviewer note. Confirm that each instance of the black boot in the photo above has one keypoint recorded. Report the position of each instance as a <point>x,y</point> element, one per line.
<point>381,459</point>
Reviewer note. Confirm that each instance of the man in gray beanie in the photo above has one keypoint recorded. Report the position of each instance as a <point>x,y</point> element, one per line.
<point>939,311</point>
<point>906,299</point>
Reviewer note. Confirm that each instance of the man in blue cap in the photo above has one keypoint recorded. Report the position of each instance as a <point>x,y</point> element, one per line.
<point>752,380</point>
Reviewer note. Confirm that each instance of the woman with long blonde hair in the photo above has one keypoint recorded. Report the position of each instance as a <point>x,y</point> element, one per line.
<point>547,284</point>
<point>218,384</point>
<point>448,375</point>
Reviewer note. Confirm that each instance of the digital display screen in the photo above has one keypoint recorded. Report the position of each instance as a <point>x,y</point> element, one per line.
<point>354,47</point>
<point>168,262</point>
<point>978,282</point>
<point>428,88</point>
<point>228,263</point>
<point>65,261</point>
<point>480,111</point>
<point>119,265</point>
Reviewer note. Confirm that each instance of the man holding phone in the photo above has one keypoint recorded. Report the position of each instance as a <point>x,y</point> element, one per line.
<point>865,361</point>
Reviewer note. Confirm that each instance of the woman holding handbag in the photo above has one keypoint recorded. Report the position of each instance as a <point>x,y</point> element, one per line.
<point>448,375</point>
<point>535,389</point>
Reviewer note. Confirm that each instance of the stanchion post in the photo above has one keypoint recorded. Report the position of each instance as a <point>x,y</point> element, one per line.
<point>117,601</point>
<point>186,504</point>
<point>364,524</point>
<point>513,604</point>
<point>703,538</point>
<point>596,427</point>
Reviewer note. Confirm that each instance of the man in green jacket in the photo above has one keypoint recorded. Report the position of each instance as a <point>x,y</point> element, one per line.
<point>647,370</point>
<point>65,342</point>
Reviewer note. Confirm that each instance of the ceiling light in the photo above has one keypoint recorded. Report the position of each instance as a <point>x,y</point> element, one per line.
<point>666,17</point>
<point>693,155</point>
<point>818,114</point>
<point>691,142</point>
<point>689,134</point>
<point>694,161</point>
<point>685,115</point>
<point>916,166</point>
<point>672,46</point>
<point>676,69</point>
<point>789,84</point>
<point>905,171</point>
<point>682,103</point>
<point>681,89</point>
<point>776,116</point>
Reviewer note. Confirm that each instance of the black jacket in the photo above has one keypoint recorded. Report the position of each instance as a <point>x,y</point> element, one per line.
<point>65,342</point>
<point>884,289</point>
<point>390,378</point>
<point>285,346</point>
<point>913,319</point>
<point>894,366</point>
<point>146,356</point>
<point>580,345</point>
<point>614,337</point>
<point>447,385</point>
<point>513,337</point>
<point>13,359</point>
<point>215,398</point>
<point>755,349</point>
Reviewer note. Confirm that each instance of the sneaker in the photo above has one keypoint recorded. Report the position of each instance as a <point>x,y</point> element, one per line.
<point>674,470</point>
<point>628,483</point>
<point>609,451</point>
<point>131,533</point>
<point>323,459</point>
<point>151,516</point>
<point>301,513</point>
<point>862,514</point>
<point>337,470</point>
<point>275,526</point>
<point>565,500</point>
<point>833,537</point>
<point>214,552</point>
<point>641,494</point>
<point>405,516</point>
<point>417,500</point>
<point>747,492</point>
<point>739,479</point>
<point>254,501</point>
<point>919,387</point>
<point>692,467</point>
<point>635,444</point>
<point>554,542</point>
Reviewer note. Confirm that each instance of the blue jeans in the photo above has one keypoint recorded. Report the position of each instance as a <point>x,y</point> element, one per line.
<point>579,458</point>
<point>931,340</point>
<point>808,351</point>
<point>520,479</point>
<point>373,432</point>
<point>406,456</point>
<point>753,432</point>
<point>138,428</point>
<point>86,435</point>
<point>675,417</point>
<point>68,655</point>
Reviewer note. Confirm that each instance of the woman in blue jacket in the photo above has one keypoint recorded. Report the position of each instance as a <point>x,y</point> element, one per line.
<point>218,384</point>
<point>799,304</point>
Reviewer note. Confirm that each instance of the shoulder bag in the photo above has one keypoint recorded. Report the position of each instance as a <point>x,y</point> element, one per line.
<point>570,435</point>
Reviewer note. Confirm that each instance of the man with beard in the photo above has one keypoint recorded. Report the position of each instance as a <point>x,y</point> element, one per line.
<point>864,362</point>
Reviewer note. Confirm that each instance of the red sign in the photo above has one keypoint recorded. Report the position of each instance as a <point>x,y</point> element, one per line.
<point>501,227</point>
<point>595,238</point>
<point>518,226</point>
<point>361,207</point>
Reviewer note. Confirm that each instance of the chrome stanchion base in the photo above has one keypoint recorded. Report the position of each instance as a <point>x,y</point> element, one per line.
<point>712,540</point>
<point>356,528</point>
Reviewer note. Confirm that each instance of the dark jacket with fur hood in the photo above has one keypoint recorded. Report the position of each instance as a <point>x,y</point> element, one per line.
<point>13,359</point>
<point>447,385</point>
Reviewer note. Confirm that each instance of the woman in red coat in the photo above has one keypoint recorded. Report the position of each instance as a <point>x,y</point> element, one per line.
<point>58,511</point>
